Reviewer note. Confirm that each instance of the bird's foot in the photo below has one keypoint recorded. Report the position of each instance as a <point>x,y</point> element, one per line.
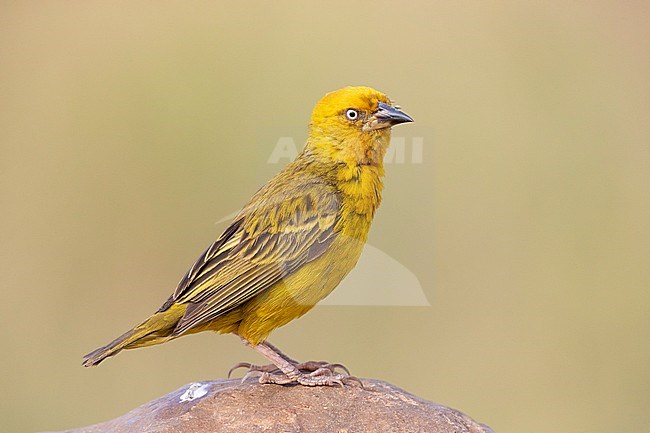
<point>305,367</point>
<point>310,373</point>
<point>320,377</point>
<point>285,370</point>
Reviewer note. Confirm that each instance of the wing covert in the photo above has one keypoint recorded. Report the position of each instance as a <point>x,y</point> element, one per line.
<point>269,240</point>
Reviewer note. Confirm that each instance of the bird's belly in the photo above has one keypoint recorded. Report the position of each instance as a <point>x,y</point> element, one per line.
<point>299,292</point>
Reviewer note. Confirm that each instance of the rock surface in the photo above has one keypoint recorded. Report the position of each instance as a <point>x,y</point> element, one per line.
<point>229,406</point>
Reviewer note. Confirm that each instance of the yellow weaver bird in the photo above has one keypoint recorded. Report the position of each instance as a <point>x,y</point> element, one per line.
<point>290,246</point>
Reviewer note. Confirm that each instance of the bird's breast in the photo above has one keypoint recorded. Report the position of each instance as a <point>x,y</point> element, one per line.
<point>360,188</point>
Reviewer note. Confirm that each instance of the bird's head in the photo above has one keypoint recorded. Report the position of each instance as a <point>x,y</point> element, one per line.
<point>353,124</point>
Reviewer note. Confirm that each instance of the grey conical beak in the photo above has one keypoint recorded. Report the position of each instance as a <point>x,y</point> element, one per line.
<point>385,117</point>
<point>391,114</point>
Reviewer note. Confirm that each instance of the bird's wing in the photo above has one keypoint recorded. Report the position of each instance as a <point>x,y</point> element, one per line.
<point>279,231</point>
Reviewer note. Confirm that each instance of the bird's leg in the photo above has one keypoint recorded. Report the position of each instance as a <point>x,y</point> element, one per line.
<point>309,366</point>
<point>279,352</point>
<point>254,368</point>
<point>284,369</point>
<point>292,374</point>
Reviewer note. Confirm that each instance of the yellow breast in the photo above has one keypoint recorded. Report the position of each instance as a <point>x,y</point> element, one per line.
<point>299,292</point>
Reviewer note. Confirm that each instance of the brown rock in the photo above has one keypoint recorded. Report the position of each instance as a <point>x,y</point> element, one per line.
<point>229,406</point>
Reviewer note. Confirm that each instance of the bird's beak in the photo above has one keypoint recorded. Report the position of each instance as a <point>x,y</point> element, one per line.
<point>385,117</point>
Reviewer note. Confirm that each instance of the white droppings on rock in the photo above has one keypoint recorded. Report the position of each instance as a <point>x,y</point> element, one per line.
<point>194,391</point>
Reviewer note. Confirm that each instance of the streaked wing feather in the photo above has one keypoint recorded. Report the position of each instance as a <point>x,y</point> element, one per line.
<point>209,258</point>
<point>264,245</point>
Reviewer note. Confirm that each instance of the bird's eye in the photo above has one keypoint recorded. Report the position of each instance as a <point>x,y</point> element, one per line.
<point>351,114</point>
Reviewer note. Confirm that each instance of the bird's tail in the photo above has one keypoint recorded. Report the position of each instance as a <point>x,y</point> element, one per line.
<point>121,342</point>
<point>155,330</point>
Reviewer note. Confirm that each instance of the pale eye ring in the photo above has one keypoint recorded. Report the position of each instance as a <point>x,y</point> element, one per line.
<point>351,114</point>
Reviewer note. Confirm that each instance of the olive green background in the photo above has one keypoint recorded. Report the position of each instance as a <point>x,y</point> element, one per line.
<point>127,129</point>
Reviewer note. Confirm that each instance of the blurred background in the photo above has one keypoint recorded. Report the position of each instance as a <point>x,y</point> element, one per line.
<point>127,130</point>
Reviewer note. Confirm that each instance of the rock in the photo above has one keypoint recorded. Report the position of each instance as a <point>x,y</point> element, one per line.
<point>230,406</point>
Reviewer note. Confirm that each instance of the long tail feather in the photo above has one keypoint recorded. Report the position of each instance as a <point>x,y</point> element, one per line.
<point>154,330</point>
<point>98,355</point>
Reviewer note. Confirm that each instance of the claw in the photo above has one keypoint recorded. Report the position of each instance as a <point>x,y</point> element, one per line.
<point>251,373</point>
<point>315,365</point>
<point>341,366</point>
<point>353,379</point>
<point>240,365</point>
<point>277,379</point>
<point>269,368</point>
<point>320,372</point>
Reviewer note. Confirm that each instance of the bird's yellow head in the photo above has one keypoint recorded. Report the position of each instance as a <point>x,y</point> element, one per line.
<point>353,125</point>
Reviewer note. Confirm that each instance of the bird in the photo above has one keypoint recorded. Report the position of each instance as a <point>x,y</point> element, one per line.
<point>289,246</point>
